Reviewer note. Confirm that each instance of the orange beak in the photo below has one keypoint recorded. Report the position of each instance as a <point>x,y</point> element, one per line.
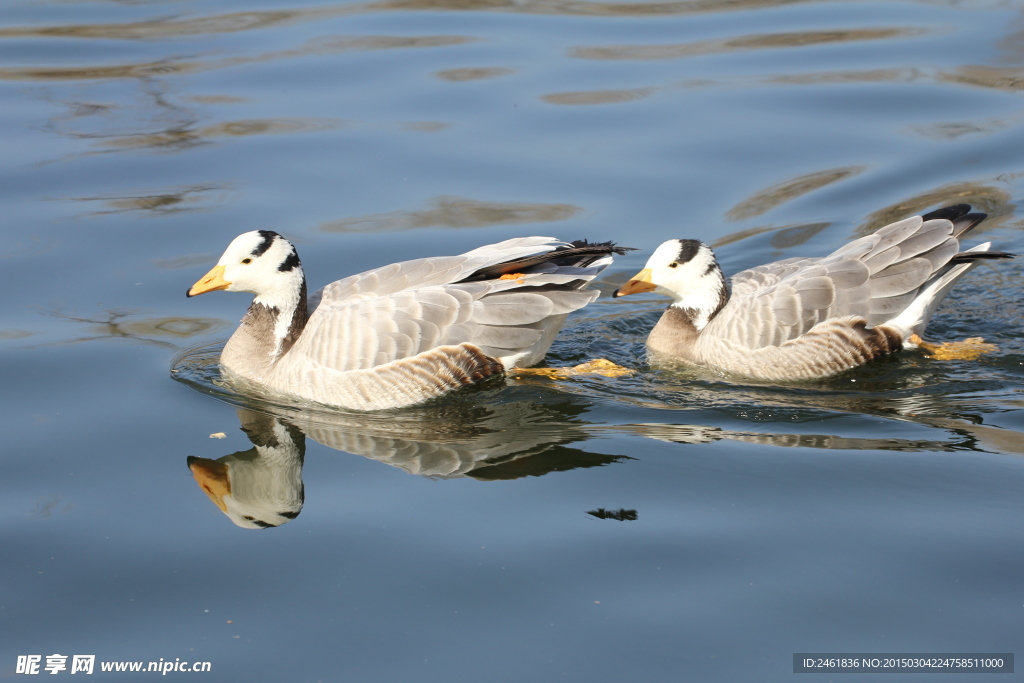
<point>641,282</point>
<point>212,477</point>
<point>210,282</point>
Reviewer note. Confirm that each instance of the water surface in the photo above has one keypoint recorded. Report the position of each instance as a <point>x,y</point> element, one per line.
<point>662,526</point>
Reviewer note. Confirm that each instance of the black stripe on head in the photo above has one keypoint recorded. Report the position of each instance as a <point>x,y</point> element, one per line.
<point>687,250</point>
<point>268,239</point>
<point>290,263</point>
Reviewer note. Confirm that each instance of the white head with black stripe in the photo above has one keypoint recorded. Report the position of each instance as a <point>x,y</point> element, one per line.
<point>261,262</point>
<point>686,271</point>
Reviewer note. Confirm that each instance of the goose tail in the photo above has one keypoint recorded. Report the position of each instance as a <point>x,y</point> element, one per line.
<point>916,316</point>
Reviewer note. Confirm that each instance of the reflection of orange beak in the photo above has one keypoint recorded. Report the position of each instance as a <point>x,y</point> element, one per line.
<point>210,282</point>
<point>640,283</point>
<point>212,477</point>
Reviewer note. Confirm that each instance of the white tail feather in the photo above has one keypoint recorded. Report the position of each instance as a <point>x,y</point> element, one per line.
<point>915,317</point>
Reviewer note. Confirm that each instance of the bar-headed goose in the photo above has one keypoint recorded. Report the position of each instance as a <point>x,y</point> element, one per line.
<point>805,318</point>
<point>400,334</point>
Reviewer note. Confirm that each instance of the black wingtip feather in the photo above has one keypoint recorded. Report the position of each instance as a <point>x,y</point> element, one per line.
<point>965,256</point>
<point>579,253</point>
<point>598,247</point>
<point>950,213</point>
<point>963,221</point>
<point>959,214</point>
<point>966,222</point>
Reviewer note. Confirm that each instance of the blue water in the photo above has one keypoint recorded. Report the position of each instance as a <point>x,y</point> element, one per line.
<point>663,526</point>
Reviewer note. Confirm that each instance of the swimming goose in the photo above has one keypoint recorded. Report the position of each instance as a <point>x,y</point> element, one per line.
<point>400,334</point>
<point>806,318</point>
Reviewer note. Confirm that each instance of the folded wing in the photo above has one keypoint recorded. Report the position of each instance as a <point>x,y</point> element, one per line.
<point>874,277</point>
<point>404,309</point>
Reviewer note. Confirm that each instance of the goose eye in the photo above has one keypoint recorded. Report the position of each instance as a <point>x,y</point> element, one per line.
<point>247,260</point>
<point>674,264</point>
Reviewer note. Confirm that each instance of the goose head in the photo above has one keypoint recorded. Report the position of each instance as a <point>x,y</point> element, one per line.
<point>260,262</point>
<point>688,273</point>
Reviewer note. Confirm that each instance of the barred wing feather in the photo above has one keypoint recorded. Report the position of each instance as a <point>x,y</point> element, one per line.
<point>407,308</point>
<point>874,277</point>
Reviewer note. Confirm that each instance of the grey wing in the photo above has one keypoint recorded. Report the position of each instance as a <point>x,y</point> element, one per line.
<point>435,270</point>
<point>403,309</point>
<point>396,277</point>
<point>874,277</point>
<point>758,278</point>
<point>363,332</point>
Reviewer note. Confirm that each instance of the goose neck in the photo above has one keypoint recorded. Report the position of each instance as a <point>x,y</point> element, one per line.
<point>267,332</point>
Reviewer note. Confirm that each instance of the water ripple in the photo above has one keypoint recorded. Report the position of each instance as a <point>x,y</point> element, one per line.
<point>759,41</point>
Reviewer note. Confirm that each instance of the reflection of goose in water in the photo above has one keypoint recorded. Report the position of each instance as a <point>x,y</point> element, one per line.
<point>505,441</point>
<point>263,487</point>
<point>694,434</point>
<point>260,487</point>
<point>965,421</point>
